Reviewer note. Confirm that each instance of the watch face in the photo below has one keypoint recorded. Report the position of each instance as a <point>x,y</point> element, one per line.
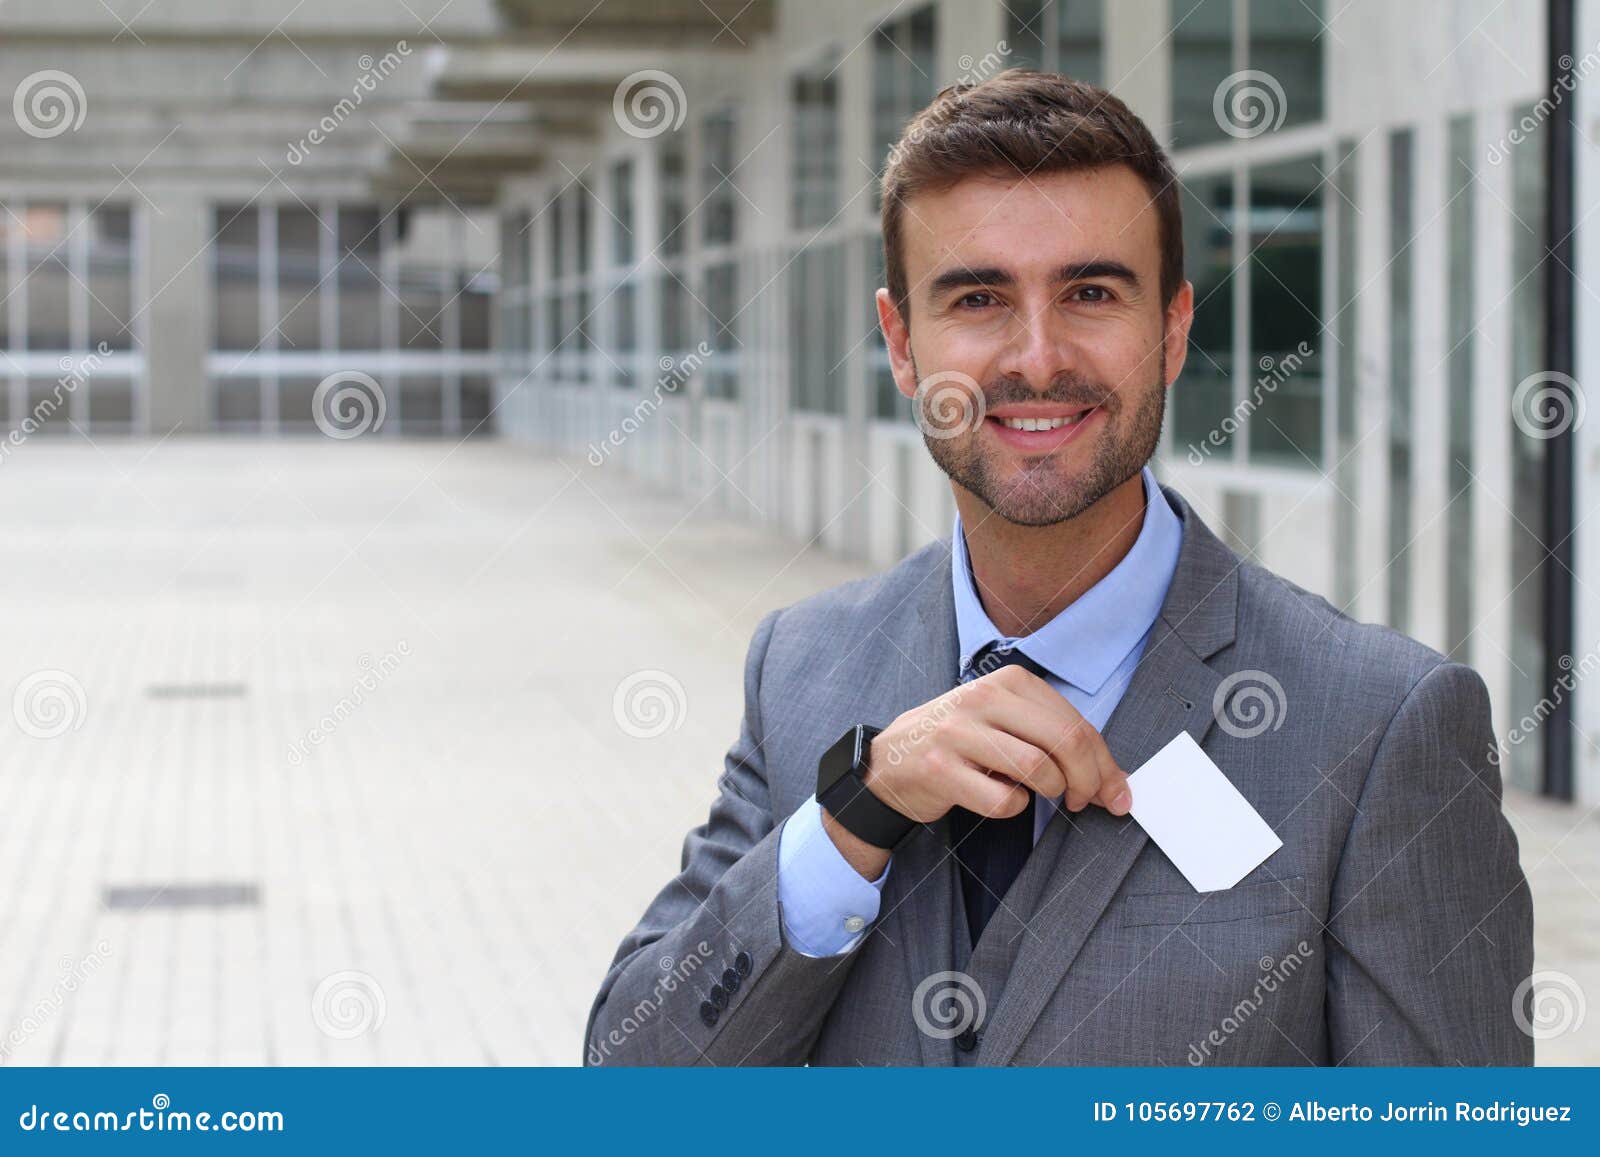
<point>837,761</point>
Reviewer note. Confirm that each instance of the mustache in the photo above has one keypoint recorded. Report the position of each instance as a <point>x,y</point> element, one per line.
<point>1065,391</point>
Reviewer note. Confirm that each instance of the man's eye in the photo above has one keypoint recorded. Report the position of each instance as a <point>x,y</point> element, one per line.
<point>1093,294</point>
<point>976,300</point>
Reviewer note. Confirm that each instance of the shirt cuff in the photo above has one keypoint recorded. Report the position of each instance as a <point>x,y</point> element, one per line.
<point>827,906</point>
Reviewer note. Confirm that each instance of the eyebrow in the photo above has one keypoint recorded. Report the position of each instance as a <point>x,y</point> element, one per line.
<point>994,277</point>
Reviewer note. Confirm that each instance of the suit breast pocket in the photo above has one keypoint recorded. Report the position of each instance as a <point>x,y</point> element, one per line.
<point>1243,902</point>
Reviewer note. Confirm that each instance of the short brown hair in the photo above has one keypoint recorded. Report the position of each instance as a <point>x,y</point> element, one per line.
<point>1017,123</point>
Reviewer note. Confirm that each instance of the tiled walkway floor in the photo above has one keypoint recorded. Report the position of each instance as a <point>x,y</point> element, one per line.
<point>367,689</point>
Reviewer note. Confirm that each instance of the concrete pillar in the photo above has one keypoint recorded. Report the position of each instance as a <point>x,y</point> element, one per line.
<point>177,308</point>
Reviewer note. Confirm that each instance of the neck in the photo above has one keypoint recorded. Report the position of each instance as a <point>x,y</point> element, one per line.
<point>1027,575</point>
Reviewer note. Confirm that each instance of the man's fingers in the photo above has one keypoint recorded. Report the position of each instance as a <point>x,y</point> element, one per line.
<point>1028,708</point>
<point>988,795</point>
<point>999,751</point>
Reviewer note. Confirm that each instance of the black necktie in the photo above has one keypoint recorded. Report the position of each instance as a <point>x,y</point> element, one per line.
<point>991,852</point>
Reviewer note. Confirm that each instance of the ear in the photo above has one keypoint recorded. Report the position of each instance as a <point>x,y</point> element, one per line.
<point>1179,317</point>
<point>897,336</point>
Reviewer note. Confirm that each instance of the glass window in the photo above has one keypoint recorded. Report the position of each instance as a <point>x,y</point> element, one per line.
<point>1462,205</point>
<point>816,327</point>
<point>814,156</point>
<point>1529,232</point>
<point>1286,355</point>
<point>622,246</point>
<point>1202,398</point>
<point>1286,44</point>
<point>1202,60</point>
<point>674,197</point>
<point>236,323</point>
<point>299,324</point>
<point>1349,385</point>
<point>718,196</point>
<point>903,68</point>
<point>722,304</point>
<point>1063,36</point>
<point>1401,226</point>
<point>49,284</point>
<point>110,277</point>
<point>361,297</point>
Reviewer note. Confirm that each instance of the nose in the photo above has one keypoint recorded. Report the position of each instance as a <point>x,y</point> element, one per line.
<point>1038,349</point>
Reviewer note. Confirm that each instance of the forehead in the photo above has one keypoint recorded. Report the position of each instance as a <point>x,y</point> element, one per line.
<point>1032,223</point>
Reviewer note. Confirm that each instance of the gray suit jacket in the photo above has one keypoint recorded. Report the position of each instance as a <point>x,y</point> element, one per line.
<point>1392,927</point>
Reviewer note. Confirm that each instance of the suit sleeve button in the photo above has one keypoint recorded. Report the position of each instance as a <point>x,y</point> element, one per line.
<point>718,996</point>
<point>731,980</point>
<point>967,1041</point>
<point>742,963</point>
<point>708,1013</point>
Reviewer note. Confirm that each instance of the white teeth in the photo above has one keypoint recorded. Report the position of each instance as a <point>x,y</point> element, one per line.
<point>1040,423</point>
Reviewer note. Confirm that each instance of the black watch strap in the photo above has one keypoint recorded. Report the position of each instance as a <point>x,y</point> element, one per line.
<point>842,789</point>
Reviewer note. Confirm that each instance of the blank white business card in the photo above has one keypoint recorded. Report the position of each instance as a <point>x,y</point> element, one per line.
<point>1198,818</point>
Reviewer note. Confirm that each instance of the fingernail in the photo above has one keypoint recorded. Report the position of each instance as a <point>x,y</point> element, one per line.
<point>1123,801</point>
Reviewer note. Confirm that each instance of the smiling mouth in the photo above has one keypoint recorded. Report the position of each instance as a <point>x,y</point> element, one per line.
<point>1043,423</point>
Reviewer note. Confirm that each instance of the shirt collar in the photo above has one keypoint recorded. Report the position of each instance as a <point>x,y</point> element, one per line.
<point>1091,637</point>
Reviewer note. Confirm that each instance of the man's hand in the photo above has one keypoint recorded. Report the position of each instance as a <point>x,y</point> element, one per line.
<point>982,746</point>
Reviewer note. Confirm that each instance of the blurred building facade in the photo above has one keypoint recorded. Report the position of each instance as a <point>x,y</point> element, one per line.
<point>646,234</point>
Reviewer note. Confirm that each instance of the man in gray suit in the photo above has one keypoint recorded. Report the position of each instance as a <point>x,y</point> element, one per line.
<point>921,851</point>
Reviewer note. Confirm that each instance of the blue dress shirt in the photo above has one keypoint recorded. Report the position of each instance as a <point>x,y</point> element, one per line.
<point>1090,649</point>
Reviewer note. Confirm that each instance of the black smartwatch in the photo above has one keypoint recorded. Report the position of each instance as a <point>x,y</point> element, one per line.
<point>842,789</point>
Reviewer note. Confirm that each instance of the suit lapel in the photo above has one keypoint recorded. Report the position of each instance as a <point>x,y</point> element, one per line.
<point>919,895</point>
<point>1171,691</point>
